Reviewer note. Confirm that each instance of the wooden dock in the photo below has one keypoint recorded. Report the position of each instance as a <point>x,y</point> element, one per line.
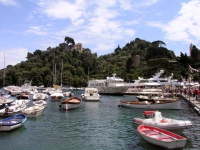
<point>195,103</point>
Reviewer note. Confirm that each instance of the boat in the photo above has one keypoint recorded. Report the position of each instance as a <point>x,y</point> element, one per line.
<point>23,95</point>
<point>40,103</point>
<point>91,94</point>
<point>4,101</point>
<point>111,85</point>
<point>154,84</point>
<point>12,109</point>
<point>159,96</point>
<point>21,102</point>
<point>71,103</point>
<point>57,96</point>
<point>39,96</point>
<point>12,122</point>
<point>4,95</point>
<point>167,104</point>
<point>33,111</point>
<point>161,137</point>
<point>154,118</point>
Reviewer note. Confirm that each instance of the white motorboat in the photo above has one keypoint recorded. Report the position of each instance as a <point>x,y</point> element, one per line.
<point>161,137</point>
<point>39,96</point>
<point>12,110</point>
<point>154,118</point>
<point>33,111</point>
<point>91,94</point>
<point>57,96</point>
<point>71,103</point>
<point>40,103</point>
<point>167,104</point>
<point>111,85</point>
<point>21,102</point>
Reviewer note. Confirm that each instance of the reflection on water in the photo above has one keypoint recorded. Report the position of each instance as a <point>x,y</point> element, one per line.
<point>95,125</point>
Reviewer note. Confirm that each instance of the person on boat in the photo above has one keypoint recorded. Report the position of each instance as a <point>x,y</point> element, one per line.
<point>6,107</point>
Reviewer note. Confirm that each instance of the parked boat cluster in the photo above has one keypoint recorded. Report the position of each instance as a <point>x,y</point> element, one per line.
<point>152,95</point>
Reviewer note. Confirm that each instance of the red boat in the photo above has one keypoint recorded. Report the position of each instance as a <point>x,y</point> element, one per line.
<point>161,137</point>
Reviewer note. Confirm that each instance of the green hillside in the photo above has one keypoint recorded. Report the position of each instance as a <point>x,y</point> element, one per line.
<point>77,67</point>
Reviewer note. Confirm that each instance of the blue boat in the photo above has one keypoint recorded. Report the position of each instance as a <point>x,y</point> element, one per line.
<point>12,122</point>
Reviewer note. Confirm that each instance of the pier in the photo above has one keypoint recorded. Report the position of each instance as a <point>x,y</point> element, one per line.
<point>193,101</point>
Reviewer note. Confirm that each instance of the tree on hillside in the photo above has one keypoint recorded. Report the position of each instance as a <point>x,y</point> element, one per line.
<point>69,40</point>
<point>158,43</point>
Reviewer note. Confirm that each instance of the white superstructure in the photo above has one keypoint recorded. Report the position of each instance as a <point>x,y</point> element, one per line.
<point>110,85</point>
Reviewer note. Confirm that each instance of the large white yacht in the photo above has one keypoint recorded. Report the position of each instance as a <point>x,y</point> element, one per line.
<point>151,84</point>
<point>111,85</point>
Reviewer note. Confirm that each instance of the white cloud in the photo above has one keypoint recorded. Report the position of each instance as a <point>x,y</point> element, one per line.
<point>38,30</point>
<point>61,9</point>
<point>12,56</point>
<point>8,2</point>
<point>185,26</point>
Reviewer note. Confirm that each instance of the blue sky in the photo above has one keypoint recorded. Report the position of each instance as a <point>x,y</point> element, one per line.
<point>100,25</point>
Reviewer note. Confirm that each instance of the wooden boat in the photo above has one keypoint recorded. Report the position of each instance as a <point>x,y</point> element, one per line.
<point>159,96</point>
<point>161,137</point>
<point>154,118</point>
<point>167,104</point>
<point>71,103</point>
<point>33,111</point>
<point>91,94</point>
<point>12,122</point>
<point>40,103</point>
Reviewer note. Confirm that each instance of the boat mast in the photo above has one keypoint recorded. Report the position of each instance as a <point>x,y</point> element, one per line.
<point>61,73</point>
<point>4,74</point>
<point>55,76</point>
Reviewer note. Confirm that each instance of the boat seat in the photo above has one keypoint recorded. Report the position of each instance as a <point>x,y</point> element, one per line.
<point>150,132</point>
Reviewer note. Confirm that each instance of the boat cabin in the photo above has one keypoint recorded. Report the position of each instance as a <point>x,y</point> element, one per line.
<point>155,115</point>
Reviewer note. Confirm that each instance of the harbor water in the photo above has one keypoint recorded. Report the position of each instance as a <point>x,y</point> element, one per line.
<point>94,126</point>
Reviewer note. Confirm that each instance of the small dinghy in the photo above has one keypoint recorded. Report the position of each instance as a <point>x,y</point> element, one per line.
<point>12,122</point>
<point>161,137</point>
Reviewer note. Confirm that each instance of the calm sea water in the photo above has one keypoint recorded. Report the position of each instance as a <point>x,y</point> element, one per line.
<point>94,126</point>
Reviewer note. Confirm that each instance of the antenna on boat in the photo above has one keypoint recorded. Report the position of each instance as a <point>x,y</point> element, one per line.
<point>4,72</point>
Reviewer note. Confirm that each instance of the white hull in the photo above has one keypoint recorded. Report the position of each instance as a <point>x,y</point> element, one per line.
<point>143,105</point>
<point>9,128</point>
<point>161,137</point>
<point>70,106</point>
<point>12,110</point>
<point>33,111</point>
<point>56,97</point>
<point>110,85</point>
<point>172,124</point>
<point>40,103</point>
<point>91,94</point>
<point>172,145</point>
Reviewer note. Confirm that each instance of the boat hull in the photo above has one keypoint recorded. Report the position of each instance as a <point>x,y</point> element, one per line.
<point>71,103</point>
<point>144,105</point>
<point>12,122</point>
<point>161,137</point>
<point>176,126</point>
<point>33,111</point>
